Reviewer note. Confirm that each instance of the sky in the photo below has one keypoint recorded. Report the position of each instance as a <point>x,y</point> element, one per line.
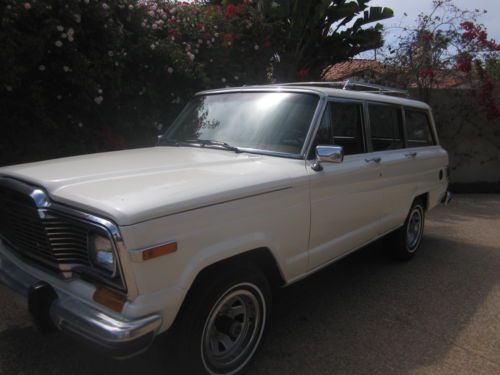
<point>414,7</point>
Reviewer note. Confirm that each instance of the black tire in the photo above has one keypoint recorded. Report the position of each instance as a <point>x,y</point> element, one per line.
<point>211,319</point>
<point>405,241</point>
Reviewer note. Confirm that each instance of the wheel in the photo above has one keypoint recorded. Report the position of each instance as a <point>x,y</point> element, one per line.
<point>223,321</point>
<point>406,240</point>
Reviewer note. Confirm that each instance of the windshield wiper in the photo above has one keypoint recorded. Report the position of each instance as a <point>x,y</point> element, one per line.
<point>201,142</point>
<point>210,142</point>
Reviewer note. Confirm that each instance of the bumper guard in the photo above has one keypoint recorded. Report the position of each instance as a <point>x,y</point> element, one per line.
<point>118,338</point>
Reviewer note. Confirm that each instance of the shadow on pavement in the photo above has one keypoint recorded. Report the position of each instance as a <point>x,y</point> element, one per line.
<point>364,315</point>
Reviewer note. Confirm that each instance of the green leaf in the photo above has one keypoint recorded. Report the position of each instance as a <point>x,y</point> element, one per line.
<point>373,14</point>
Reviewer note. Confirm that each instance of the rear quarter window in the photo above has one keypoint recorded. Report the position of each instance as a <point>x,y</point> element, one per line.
<point>418,128</point>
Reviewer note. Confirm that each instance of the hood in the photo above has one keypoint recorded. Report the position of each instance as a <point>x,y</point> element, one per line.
<point>137,185</point>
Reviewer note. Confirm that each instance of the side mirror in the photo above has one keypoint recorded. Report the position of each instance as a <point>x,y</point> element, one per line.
<point>328,154</point>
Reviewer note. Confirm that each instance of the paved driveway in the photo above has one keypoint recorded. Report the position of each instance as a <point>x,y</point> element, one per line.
<point>438,314</point>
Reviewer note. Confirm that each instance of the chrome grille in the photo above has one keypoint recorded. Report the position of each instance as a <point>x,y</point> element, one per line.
<point>68,239</point>
<point>41,235</point>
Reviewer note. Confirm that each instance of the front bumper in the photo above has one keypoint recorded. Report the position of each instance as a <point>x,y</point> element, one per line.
<point>118,338</point>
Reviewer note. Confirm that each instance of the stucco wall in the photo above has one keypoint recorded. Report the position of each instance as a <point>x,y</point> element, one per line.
<point>472,140</point>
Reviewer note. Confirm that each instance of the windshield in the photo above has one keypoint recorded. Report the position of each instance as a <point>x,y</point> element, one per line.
<point>267,121</point>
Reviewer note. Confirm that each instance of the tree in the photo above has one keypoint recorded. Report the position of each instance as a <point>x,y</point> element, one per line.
<point>444,43</point>
<point>312,35</point>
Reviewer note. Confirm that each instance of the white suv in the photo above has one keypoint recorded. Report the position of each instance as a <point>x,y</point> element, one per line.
<point>250,188</point>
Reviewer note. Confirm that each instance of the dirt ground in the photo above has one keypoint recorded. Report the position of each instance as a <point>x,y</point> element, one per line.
<point>438,314</point>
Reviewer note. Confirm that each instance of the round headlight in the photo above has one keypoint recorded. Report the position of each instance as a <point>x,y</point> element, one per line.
<point>102,253</point>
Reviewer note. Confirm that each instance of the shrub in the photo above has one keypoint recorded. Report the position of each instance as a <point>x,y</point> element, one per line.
<point>83,76</point>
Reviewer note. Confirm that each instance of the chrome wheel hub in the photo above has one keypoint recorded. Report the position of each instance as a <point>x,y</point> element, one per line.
<point>232,331</point>
<point>414,229</point>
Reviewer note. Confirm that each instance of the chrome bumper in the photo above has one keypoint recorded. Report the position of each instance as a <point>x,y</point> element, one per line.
<point>446,198</point>
<point>118,338</point>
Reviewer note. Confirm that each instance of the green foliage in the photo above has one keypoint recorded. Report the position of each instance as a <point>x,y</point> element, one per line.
<point>315,34</point>
<point>319,33</point>
<point>81,76</point>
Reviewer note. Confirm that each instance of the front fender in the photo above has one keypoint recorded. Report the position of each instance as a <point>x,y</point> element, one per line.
<point>278,221</point>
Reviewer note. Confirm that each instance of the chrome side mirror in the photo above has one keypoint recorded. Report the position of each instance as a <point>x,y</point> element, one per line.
<point>328,154</point>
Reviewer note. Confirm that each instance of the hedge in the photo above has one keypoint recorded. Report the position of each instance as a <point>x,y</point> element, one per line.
<point>80,76</point>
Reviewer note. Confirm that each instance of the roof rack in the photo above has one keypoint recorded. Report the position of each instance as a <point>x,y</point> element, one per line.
<point>355,86</point>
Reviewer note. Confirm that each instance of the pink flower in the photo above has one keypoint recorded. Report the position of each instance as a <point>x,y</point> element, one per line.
<point>464,63</point>
<point>230,11</point>
<point>467,25</point>
<point>27,6</point>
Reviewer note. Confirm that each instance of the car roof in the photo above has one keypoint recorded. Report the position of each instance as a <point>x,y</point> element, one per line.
<point>325,91</point>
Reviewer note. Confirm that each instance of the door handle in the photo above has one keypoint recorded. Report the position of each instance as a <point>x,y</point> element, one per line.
<point>374,160</point>
<point>411,154</point>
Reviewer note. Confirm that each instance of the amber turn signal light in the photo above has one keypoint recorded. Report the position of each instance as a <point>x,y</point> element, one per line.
<point>110,298</point>
<point>155,252</point>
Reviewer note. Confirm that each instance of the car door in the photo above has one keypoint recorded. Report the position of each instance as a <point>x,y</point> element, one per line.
<point>344,196</point>
<point>426,159</point>
<point>387,142</point>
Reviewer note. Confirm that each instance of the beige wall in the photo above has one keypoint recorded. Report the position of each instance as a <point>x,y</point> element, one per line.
<point>472,140</point>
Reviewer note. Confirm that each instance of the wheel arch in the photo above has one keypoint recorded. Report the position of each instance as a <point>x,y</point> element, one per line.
<point>261,257</point>
<point>424,198</point>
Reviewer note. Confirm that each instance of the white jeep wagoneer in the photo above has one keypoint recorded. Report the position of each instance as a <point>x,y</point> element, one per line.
<point>250,188</point>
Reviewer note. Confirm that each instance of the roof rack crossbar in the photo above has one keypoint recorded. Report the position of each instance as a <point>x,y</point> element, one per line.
<point>355,86</point>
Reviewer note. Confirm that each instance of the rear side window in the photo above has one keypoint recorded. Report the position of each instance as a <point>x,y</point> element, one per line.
<point>386,129</point>
<point>418,129</point>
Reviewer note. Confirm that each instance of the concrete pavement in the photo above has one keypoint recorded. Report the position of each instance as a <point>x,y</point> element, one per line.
<point>438,314</point>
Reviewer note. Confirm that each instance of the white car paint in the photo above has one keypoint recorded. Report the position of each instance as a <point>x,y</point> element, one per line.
<point>216,204</point>
<point>137,185</point>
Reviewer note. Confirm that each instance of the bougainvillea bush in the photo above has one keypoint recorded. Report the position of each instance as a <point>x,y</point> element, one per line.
<point>449,43</point>
<point>81,76</point>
